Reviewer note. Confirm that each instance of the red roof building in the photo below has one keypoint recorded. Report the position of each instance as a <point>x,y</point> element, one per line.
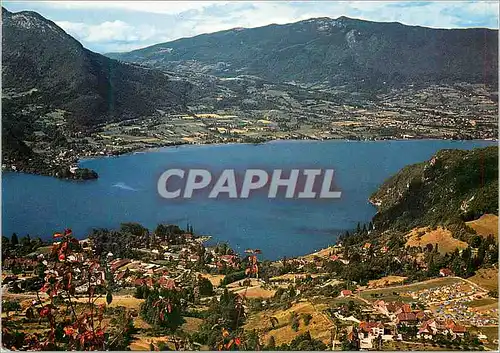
<point>345,293</point>
<point>406,318</point>
<point>119,263</point>
<point>445,272</point>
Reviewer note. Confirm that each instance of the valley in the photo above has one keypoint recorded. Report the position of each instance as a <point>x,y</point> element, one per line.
<point>153,97</point>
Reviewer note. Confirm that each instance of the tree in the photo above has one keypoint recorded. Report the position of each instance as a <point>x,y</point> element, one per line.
<point>274,321</point>
<point>252,341</point>
<point>205,286</point>
<point>306,318</point>
<point>26,242</point>
<point>14,240</point>
<point>163,346</point>
<point>294,321</point>
<point>162,309</point>
<point>10,305</point>
<point>141,292</point>
<point>476,241</point>
<point>271,344</point>
<point>40,270</point>
<point>304,342</point>
<point>224,316</point>
<point>67,329</point>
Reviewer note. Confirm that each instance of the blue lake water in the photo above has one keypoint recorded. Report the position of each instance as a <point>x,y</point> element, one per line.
<point>126,191</point>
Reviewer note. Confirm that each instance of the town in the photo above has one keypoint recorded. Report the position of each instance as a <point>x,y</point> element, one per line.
<point>310,302</point>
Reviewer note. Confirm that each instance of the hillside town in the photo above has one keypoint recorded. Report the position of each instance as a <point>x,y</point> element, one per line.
<point>284,302</point>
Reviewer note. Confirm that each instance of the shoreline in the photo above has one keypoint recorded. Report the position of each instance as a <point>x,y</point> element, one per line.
<point>278,140</point>
<point>79,160</point>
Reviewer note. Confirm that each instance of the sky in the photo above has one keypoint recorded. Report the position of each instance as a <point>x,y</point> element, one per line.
<point>117,26</point>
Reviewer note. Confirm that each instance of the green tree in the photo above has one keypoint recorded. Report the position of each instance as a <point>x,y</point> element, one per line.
<point>306,318</point>
<point>162,309</point>
<point>14,240</point>
<point>205,286</point>
<point>271,344</point>
<point>10,305</point>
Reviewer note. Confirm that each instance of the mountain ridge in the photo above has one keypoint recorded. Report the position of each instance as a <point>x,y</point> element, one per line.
<point>454,185</point>
<point>341,51</point>
<point>344,18</point>
<point>89,86</point>
<point>54,91</point>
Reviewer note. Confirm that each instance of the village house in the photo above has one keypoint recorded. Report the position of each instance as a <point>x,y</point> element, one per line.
<point>167,283</point>
<point>345,293</point>
<point>116,264</point>
<point>432,327</point>
<point>408,319</point>
<point>456,330</point>
<point>228,260</point>
<point>391,309</point>
<point>368,332</point>
<point>445,272</point>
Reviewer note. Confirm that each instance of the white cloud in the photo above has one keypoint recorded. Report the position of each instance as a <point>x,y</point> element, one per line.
<point>160,7</point>
<point>115,31</point>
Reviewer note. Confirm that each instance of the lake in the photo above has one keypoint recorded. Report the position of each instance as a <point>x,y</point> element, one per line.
<point>126,191</point>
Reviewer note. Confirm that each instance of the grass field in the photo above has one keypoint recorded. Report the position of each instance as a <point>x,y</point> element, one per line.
<point>291,276</point>
<point>126,301</point>
<point>478,303</point>
<point>486,278</point>
<point>191,324</point>
<point>487,224</point>
<point>321,253</point>
<point>319,326</point>
<point>441,236</point>
<point>340,301</point>
<point>254,290</point>
<point>386,281</point>
<point>142,343</point>
<point>214,279</point>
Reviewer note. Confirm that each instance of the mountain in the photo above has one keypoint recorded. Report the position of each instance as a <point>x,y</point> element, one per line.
<point>340,51</point>
<point>453,185</point>
<point>55,92</point>
<point>38,56</point>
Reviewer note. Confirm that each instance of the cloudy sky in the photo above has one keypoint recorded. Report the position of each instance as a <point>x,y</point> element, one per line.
<point>107,26</point>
